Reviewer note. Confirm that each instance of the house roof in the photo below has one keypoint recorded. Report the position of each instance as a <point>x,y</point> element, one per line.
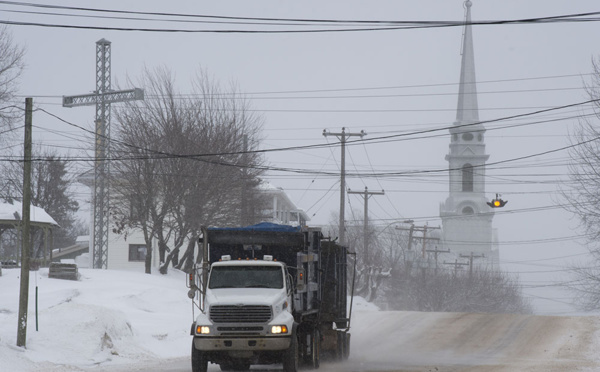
<point>12,212</point>
<point>268,188</point>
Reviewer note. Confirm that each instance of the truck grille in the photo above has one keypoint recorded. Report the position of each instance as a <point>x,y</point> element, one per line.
<point>240,331</point>
<point>240,314</point>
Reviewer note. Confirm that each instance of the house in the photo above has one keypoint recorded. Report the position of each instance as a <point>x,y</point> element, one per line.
<point>282,209</point>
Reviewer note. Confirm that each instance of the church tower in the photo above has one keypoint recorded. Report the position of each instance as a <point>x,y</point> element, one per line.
<point>466,218</point>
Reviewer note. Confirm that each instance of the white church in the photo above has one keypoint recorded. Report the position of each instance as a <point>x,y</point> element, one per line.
<point>466,216</point>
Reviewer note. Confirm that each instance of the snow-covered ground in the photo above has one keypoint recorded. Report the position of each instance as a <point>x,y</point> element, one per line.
<point>130,321</point>
<point>107,317</point>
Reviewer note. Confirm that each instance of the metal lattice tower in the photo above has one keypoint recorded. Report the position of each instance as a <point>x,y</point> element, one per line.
<point>102,97</point>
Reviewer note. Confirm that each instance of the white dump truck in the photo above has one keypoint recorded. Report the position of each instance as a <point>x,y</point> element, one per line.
<point>269,294</point>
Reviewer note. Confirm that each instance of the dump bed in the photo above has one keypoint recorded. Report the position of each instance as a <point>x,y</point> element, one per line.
<point>317,266</point>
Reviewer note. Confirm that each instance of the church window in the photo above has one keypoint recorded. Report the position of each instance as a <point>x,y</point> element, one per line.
<point>467,136</point>
<point>467,178</point>
<point>454,137</point>
<point>480,137</point>
<point>468,210</point>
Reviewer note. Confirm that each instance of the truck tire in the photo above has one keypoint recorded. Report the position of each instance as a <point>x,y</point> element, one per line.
<point>347,347</point>
<point>290,357</point>
<point>313,359</point>
<point>343,345</point>
<point>199,360</point>
<point>316,349</point>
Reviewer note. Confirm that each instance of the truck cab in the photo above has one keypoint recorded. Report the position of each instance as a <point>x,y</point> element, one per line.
<point>248,308</point>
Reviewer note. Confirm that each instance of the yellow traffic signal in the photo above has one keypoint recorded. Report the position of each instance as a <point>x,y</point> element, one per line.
<point>497,202</point>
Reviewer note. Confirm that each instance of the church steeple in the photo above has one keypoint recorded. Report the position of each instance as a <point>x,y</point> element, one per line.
<point>467,110</point>
<point>466,217</point>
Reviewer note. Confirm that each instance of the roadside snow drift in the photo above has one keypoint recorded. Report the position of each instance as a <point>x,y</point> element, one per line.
<point>107,317</point>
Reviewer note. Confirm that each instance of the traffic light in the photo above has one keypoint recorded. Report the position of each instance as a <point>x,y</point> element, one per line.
<point>497,202</point>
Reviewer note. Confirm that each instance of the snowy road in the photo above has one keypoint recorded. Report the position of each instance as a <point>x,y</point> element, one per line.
<point>449,342</point>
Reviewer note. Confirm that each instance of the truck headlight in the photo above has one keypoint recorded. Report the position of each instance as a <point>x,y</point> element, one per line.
<point>279,329</point>
<point>202,330</point>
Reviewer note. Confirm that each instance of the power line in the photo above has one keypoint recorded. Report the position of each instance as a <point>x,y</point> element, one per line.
<point>391,87</point>
<point>357,25</point>
<point>380,174</point>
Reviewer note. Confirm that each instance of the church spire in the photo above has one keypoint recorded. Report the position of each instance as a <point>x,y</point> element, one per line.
<point>467,110</point>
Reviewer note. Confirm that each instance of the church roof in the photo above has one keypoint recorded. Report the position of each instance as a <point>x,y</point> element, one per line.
<point>467,110</point>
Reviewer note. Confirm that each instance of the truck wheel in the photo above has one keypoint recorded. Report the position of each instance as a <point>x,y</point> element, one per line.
<point>347,347</point>
<point>199,360</point>
<point>343,345</point>
<point>290,357</point>
<point>315,350</point>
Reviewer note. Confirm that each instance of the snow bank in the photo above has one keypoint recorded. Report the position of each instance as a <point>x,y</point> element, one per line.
<point>107,317</point>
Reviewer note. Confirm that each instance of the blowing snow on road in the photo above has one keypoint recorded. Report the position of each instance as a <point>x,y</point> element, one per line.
<point>113,321</point>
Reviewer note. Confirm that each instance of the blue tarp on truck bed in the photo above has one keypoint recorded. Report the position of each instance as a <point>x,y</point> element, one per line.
<point>263,226</point>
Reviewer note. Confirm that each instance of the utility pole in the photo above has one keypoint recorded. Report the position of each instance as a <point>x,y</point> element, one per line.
<point>343,136</point>
<point>25,222</point>
<point>456,265</point>
<point>244,218</point>
<point>102,97</point>
<point>424,238</point>
<point>435,252</point>
<point>366,195</point>
<point>471,257</point>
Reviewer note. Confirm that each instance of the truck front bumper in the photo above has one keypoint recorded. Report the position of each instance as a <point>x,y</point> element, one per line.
<point>224,343</point>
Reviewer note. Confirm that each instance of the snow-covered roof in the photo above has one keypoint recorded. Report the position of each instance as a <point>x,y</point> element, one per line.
<point>13,212</point>
<point>268,188</point>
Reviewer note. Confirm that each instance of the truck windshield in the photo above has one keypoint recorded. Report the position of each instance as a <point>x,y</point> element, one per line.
<point>246,277</point>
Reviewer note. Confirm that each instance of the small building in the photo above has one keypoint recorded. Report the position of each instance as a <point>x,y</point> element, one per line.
<point>11,218</point>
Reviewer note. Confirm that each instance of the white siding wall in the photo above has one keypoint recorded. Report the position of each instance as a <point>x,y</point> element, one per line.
<point>118,252</point>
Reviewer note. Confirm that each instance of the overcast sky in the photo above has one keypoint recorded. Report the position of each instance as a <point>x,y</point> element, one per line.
<point>385,82</point>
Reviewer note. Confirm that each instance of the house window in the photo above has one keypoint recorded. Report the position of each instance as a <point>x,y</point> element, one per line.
<point>467,178</point>
<point>137,252</point>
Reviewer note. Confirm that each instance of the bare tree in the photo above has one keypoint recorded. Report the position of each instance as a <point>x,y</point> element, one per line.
<point>387,249</point>
<point>181,162</point>
<point>581,196</point>
<point>11,67</point>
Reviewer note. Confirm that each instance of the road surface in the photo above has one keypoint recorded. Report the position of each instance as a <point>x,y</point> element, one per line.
<point>451,342</point>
